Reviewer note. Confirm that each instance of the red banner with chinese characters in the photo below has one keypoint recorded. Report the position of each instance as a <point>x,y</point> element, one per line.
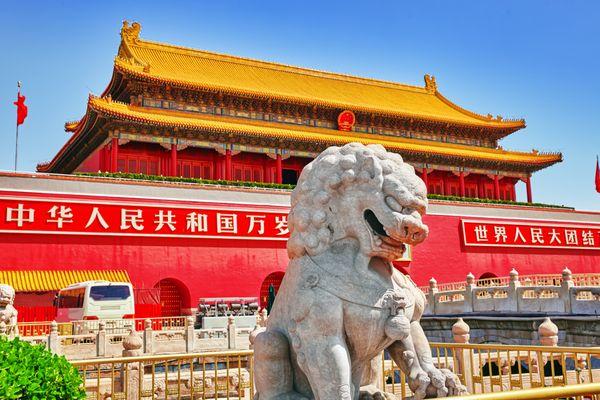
<point>116,218</point>
<point>556,235</point>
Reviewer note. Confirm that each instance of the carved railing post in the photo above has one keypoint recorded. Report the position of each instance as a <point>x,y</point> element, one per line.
<point>148,336</point>
<point>189,334</point>
<point>431,296</point>
<point>513,290</point>
<point>548,333</point>
<point>469,293</point>
<point>461,334</point>
<point>53,339</point>
<point>131,374</point>
<point>548,336</point>
<point>565,288</point>
<point>101,339</point>
<point>231,333</point>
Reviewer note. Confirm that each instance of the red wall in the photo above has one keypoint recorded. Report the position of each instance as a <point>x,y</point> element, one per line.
<point>209,268</point>
<point>444,256</point>
<point>230,268</point>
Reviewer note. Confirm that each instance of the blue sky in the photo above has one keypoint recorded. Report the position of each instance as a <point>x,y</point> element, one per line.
<point>533,59</point>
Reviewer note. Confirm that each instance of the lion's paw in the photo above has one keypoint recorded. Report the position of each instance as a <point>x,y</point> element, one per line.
<point>444,383</point>
<point>371,392</point>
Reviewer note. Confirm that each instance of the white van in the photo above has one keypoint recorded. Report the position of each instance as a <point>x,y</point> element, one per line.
<point>95,300</point>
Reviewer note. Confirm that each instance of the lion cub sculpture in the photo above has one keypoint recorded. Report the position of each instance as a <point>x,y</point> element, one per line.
<point>341,302</point>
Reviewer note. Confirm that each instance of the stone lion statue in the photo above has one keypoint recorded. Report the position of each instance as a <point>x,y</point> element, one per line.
<point>8,313</point>
<point>341,302</point>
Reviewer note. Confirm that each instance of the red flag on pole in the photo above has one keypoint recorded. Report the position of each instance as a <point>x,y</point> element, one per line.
<point>597,176</point>
<point>21,109</point>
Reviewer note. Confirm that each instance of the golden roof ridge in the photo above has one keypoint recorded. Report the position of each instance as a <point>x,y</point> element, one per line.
<point>133,39</point>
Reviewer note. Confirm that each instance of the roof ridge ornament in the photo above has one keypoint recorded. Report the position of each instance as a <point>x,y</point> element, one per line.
<point>131,32</point>
<point>430,83</point>
<point>130,35</point>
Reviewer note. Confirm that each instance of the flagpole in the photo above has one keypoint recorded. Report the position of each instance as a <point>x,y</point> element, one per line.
<point>17,134</point>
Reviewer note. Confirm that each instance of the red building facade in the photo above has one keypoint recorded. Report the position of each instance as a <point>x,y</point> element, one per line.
<point>175,111</point>
<point>188,257</point>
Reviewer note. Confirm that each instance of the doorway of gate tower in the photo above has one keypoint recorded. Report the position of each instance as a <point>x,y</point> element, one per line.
<point>269,288</point>
<point>174,297</point>
<point>289,176</point>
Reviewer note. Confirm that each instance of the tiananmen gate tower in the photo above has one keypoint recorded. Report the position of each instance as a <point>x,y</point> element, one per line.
<point>187,114</point>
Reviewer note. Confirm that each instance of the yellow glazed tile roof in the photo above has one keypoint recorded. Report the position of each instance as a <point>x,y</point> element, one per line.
<point>305,134</point>
<point>241,76</point>
<point>43,281</point>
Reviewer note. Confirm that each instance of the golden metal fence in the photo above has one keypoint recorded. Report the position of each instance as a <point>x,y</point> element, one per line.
<point>490,370</point>
<point>215,375</point>
<point>582,391</point>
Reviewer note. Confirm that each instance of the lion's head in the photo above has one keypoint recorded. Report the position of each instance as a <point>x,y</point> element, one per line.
<point>361,192</point>
<point>7,295</point>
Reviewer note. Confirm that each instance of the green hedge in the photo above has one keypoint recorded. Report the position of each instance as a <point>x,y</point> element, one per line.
<point>492,201</point>
<point>30,372</point>
<point>122,175</point>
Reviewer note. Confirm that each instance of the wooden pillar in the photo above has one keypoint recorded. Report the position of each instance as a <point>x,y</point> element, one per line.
<point>481,187</point>
<point>496,187</point>
<point>103,164</point>
<point>114,154</point>
<point>278,169</point>
<point>443,185</point>
<point>173,169</point>
<point>461,178</point>
<point>513,193</point>
<point>228,166</point>
<point>425,178</point>
<point>528,184</point>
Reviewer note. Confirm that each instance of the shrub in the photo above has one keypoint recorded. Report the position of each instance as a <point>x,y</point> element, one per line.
<point>31,372</point>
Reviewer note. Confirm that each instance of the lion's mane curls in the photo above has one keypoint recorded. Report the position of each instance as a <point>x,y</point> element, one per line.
<point>337,169</point>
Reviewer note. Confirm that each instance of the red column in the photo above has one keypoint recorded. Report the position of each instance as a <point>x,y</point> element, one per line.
<point>443,185</point>
<point>528,184</point>
<point>114,154</point>
<point>425,178</point>
<point>496,187</point>
<point>173,159</point>
<point>461,178</point>
<point>481,187</point>
<point>228,164</point>
<point>278,169</point>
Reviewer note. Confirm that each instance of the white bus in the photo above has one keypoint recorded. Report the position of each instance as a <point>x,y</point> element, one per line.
<point>95,300</point>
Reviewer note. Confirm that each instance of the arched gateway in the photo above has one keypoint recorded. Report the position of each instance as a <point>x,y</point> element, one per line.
<point>274,279</point>
<point>174,297</point>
